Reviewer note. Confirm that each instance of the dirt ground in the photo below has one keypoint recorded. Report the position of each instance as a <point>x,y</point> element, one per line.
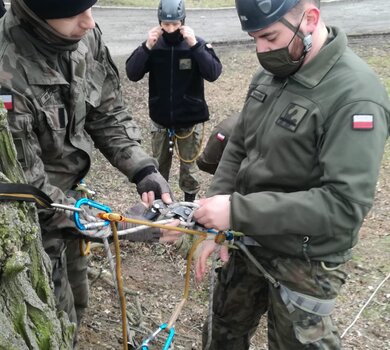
<point>154,274</point>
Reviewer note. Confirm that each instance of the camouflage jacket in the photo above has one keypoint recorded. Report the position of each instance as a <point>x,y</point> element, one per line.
<point>56,118</point>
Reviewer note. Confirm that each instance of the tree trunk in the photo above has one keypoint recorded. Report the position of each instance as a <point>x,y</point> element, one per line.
<point>28,316</point>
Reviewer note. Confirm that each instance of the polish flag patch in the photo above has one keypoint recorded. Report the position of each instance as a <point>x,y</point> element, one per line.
<point>363,122</point>
<point>220,137</point>
<point>8,101</point>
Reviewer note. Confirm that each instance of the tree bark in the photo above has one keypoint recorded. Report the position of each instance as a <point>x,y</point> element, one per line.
<point>28,316</point>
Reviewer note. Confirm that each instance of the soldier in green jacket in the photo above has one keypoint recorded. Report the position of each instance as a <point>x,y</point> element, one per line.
<point>297,177</point>
<point>63,96</point>
<point>209,159</point>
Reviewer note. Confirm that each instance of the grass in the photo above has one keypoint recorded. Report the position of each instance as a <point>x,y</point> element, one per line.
<point>154,3</point>
<point>381,64</point>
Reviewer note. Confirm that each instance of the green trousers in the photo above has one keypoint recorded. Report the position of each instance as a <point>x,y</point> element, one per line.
<point>188,148</point>
<point>242,296</point>
<point>69,275</point>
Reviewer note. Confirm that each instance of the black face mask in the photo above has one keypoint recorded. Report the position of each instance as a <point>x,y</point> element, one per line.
<point>279,62</point>
<point>173,38</point>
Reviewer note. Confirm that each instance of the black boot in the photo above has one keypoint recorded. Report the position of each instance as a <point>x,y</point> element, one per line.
<point>189,197</point>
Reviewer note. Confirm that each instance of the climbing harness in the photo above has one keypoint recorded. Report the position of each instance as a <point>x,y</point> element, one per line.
<point>292,299</point>
<point>173,143</point>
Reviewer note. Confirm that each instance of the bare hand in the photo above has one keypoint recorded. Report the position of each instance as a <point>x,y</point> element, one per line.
<point>148,198</point>
<point>206,249</point>
<point>169,236</point>
<point>214,212</point>
<point>153,35</point>
<point>188,35</point>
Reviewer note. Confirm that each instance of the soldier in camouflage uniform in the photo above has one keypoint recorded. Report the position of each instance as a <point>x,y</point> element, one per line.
<point>63,96</point>
<point>297,177</point>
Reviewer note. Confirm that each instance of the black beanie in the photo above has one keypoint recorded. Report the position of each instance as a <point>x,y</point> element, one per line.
<point>54,9</point>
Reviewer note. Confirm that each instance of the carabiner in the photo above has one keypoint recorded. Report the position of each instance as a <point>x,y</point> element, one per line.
<point>168,342</point>
<point>93,204</point>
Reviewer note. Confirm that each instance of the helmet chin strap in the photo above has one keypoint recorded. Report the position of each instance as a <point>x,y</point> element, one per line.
<point>306,40</point>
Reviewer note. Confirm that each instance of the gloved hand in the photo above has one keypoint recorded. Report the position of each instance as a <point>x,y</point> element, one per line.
<point>150,180</point>
<point>150,234</point>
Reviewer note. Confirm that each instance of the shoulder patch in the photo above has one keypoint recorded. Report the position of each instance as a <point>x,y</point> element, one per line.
<point>292,116</point>
<point>7,98</point>
<point>363,122</point>
<point>221,137</point>
<point>209,46</point>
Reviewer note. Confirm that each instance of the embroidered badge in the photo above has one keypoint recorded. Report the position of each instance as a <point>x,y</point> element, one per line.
<point>363,122</point>
<point>185,63</point>
<point>291,117</point>
<point>45,97</point>
<point>220,137</point>
<point>8,101</point>
<point>258,95</point>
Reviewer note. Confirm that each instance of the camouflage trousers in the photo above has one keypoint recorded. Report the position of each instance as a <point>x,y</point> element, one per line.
<point>242,296</point>
<point>188,148</point>
<point>69,275</point>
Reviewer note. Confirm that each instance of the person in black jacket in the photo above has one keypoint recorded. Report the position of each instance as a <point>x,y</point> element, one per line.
<point>177,62</point>
<point>2,8</point>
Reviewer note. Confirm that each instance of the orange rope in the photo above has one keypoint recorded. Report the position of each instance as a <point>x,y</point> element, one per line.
<point>120,284</point>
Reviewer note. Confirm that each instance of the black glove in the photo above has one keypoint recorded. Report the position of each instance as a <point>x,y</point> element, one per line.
<point>150,234</point>
<point>149,179</point>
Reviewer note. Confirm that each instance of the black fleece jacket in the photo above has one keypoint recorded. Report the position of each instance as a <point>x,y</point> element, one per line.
<point>176,80</point>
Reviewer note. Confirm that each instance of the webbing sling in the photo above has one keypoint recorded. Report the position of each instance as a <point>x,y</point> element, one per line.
<point>24,193</point>
<point>28,193</point>
<point>305,302</point>
<point>292,299</point>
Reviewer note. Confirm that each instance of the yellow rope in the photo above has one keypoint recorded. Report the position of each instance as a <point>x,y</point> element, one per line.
<point>119,218</point>
<point>179,306</point>
<point>198,152</point>
<point>114,217</point>
<point>120,283</point>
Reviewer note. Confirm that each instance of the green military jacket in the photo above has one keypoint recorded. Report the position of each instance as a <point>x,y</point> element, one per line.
<point>209,159</point>
<point>302,164</point>
<point>56,118</point>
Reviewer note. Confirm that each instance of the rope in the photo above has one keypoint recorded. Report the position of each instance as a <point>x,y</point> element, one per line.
<point>211,299</point>
<point>114,217</point>
<point>120,284</point>
<point>179,307</point>
<point>119,218</point>
<point>198,152</point>
<point>365,305</point>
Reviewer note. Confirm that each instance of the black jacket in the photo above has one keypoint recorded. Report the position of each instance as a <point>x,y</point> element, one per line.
<point>176,85</point>
<point>2,8</point>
